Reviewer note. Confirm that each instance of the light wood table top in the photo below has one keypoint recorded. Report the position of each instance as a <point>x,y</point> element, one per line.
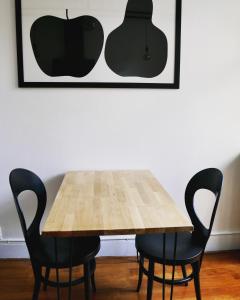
<point>113,203</point>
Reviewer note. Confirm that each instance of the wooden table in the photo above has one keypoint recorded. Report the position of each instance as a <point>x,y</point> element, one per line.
<point>113,203</point>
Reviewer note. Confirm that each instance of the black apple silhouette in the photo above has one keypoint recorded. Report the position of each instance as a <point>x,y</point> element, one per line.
<point>137,47</point>
<point>67,47</point>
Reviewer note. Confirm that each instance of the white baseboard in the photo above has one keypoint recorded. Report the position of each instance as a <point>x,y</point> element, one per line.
<point>121,245</point>
<point>221,241</point>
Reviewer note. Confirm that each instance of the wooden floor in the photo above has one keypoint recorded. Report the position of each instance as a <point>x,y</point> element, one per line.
<point>116,279</point>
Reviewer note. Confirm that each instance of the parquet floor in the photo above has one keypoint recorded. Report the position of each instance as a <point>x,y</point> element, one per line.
<point>116,279</point>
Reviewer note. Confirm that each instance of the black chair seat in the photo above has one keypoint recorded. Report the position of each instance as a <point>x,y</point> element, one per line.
<point>190,246</point>
<point>71,252</point>
<point>83,249</point>
<point>150,246</point>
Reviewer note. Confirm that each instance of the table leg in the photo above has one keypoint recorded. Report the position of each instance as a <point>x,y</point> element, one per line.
<point>57,270</point>
<point>70,270</point>
<point>174,263</point>
<point>164,265</point>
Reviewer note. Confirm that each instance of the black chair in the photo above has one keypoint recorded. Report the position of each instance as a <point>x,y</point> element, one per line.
<point>190,246</point>
<point>51,252</point>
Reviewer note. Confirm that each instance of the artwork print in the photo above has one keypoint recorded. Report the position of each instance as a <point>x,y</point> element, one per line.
<point>99,43</point>
<point>137,47</point>
<point>68,47</point>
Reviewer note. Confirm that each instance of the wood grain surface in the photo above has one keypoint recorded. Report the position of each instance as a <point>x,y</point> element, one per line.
<point>113,202</point>
<point>116,279</point>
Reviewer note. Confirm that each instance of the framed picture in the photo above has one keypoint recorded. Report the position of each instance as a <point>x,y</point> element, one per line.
<point>99,43</point>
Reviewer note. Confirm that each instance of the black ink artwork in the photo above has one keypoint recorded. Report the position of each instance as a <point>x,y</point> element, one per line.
<point>137,47</point>
<point>142,46</point>
<point>67,47</point>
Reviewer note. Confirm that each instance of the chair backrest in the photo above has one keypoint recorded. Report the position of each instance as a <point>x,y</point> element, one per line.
<point>209,179</point>
<point>24,180</point>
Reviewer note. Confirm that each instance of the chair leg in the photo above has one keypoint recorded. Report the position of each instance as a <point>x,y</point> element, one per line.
<point>93,283</point>
<point>47,272</point>
<point>150,279</point>
<point>184,273</point>
<point>87,281</point>
<point>140,273</point>
<point>196,271</point>
<point>37,283</point>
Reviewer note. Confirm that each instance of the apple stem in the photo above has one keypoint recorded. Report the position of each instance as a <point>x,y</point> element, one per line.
<point>67,14</point>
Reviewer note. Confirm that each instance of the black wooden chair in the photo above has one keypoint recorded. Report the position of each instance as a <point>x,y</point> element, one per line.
<point>70,252</point>
<point>190,246</point>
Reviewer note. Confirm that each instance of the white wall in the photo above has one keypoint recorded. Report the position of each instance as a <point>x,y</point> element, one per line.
<point>174,133</point>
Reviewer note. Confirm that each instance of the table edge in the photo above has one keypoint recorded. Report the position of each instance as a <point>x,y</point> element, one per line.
<point>116,231</point>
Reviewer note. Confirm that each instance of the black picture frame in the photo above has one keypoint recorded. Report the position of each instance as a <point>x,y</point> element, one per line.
<point>23,84</point>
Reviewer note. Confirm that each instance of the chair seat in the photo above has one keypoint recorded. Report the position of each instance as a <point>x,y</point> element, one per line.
<point>83,250</point>
<point>151,246</point>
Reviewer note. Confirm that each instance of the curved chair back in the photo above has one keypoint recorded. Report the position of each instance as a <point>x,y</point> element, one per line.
<point>209,179</point>
<point>22,180</point>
